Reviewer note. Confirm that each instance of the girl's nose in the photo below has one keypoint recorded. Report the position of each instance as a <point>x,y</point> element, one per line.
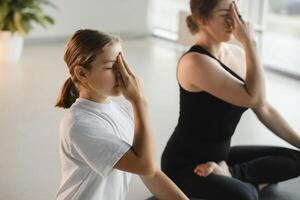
<point>229,23</point>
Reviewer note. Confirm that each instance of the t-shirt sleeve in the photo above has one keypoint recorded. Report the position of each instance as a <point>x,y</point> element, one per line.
<point>97,147</point>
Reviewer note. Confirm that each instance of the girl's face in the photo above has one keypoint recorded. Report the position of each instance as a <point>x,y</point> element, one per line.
<point>101,79</point>
<point>217,26</point>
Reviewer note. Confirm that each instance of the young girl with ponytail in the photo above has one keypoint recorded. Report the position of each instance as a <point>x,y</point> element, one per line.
<point>102,142</point>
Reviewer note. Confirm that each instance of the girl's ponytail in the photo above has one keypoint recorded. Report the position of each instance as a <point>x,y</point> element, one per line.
<point>68,95</point>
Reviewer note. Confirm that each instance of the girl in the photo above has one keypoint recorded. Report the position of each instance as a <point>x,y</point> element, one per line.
<point>101,142</point>
<point>218,83</point>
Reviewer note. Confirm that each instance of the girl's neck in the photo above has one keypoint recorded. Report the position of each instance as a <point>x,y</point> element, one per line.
<point>94,97</point>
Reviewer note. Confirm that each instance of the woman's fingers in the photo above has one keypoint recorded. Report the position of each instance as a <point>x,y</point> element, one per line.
<point>230,24</point>
<point>237,9</point>
<point>233,14</point>
<point>238,13</point>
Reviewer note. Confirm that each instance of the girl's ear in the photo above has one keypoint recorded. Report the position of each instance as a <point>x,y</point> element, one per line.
<point>81,74</point>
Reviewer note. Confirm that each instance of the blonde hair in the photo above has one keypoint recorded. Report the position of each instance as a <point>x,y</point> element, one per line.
<point>81,49</point>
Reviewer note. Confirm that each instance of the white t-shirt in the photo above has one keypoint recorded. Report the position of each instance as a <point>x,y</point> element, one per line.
<point>93,137</point>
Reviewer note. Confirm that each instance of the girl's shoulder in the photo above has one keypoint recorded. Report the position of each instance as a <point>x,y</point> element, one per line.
<point>123,106</point>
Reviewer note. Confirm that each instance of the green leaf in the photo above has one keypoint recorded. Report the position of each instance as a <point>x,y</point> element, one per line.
<point>3,11</point>
<point>11,27</point>
<point>27,26</point>
<point>49,19</point>
<point>18,22</point>
<point>38,19</point>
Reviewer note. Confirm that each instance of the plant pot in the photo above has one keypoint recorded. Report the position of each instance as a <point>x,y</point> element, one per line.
<point>11,45</point>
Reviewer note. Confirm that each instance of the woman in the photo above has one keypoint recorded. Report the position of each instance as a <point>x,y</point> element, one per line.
<point>218,83</point>
<point>101,142</point>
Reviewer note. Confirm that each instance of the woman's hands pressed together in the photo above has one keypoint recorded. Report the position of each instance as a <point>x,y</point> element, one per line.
<point>242,30</point>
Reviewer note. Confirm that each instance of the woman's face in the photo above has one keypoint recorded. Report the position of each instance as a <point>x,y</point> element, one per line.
<point>217,25</point>
<point>102,76</point>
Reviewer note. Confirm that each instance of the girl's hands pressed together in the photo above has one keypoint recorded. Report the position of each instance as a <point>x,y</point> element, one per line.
<point>131,86</point>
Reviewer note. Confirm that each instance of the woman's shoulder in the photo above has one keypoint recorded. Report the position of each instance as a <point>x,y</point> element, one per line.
<point>195,59</point>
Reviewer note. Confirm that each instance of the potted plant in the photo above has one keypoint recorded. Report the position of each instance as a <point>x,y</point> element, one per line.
<point>16,21</point>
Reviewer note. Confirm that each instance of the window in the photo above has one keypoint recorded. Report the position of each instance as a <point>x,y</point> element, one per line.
<point>281,36</point>
<point>276,24</point>
<point>165,16</point>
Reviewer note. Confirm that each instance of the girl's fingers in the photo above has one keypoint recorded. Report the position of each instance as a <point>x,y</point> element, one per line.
<point>121,73</point>
<point>120,80</point>
<point>129,71</point>
<point>121,67</point>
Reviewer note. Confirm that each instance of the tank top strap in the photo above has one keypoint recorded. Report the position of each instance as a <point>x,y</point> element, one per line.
<point>201,50</point>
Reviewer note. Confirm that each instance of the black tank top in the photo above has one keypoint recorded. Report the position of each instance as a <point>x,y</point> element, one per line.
<point>205,126</point>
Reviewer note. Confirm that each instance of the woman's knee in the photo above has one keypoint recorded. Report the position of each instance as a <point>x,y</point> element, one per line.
<point>246,191</point>
<point>295,156</point>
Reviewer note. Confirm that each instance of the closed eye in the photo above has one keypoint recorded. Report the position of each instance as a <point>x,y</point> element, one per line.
<point>109,66</point>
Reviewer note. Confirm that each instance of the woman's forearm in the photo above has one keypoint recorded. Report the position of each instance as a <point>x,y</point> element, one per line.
<point>162,187</point>
<point>255,82</point>
<point>272,119</point>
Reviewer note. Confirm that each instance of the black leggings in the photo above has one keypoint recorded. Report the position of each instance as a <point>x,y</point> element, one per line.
<point>249,166</point>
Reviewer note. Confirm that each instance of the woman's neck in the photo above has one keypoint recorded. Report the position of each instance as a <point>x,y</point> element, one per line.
<point>213,46</point>
<point>94,97</point>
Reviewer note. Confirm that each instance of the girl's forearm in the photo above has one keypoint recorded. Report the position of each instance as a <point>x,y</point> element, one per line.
<point>143,142</point>
<point>162,187</point>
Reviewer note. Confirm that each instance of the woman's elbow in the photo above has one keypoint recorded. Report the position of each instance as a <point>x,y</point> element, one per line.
<point>258,102</point>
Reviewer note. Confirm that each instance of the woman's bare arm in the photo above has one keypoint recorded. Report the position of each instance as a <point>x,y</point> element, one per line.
<point>273,120</point>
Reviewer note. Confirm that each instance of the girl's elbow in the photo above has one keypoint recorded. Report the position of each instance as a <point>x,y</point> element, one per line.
<point>148,169</point>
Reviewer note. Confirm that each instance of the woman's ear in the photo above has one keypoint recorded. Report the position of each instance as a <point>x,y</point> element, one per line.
<point>202,23</point>
<point>81,74</point>
<point>205,22</point>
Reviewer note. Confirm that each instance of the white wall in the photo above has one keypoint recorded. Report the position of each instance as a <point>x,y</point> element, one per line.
<point>126,17</point>
<point>165,14</point>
